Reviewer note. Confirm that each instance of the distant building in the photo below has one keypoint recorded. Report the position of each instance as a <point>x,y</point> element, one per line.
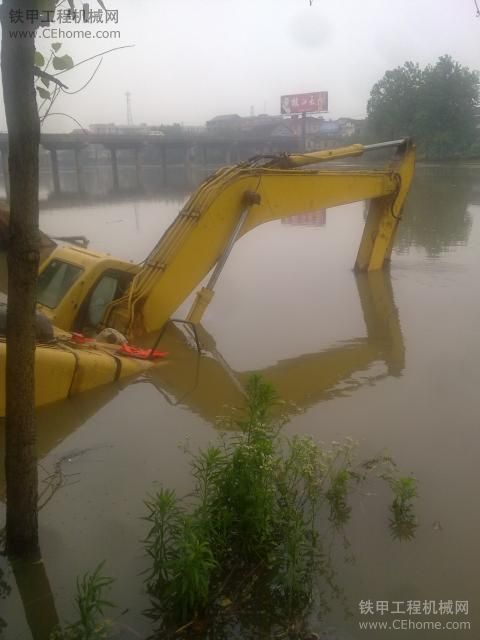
<point>196,129</point>
<point>272,130</point>
<point>312,125</point>
<point>319,133</point>
<point>262,125</point>
<point>253,135</point>
<point>227,122</point>
<point>352,126</point>
<point>330,128</point>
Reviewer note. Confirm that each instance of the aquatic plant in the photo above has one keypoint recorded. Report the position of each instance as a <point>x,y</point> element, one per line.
<point>253,523</point>
<point>403,521</point>
<point>90,603</point>
<point>337,498</point>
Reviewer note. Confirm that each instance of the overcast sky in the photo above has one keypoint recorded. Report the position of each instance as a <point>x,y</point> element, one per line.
<point>194,59</point>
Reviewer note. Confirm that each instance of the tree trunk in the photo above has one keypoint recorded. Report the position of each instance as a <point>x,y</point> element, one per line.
<point>23,126</point>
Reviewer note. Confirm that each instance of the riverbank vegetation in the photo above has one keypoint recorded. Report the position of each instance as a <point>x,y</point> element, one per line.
<point>255,525</point>
<point>437,105</point>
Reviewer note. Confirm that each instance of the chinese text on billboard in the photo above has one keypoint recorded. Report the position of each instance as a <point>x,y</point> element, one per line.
<point>305,103</point>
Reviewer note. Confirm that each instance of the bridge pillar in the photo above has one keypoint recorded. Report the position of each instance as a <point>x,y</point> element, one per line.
<point>55,171</point>
<point>190,157</point>
<point>79,170</point>
<point>163,152</point>
<point>114,159</point>
<point>6,174</point>
<point>204,154</point>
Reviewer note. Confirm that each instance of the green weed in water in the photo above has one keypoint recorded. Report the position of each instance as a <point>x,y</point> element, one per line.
<point>90,603</point>
<point>337,498</point>
<point>403,522</point>
<point>254,518</point>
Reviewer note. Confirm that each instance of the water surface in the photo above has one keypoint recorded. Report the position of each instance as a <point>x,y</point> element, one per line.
<point>391,360</point>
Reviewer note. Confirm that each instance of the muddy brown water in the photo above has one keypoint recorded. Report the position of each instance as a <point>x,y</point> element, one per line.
<point>392,361</point>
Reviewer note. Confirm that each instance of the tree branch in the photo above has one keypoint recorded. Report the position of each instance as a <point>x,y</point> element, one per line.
<point>40,73</point>
<point>56,91</point>
<point>71,93</point>
<point>59,113</point>
<point>97,55</point>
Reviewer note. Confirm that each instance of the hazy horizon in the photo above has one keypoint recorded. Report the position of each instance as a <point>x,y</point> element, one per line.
<point>192,61</point>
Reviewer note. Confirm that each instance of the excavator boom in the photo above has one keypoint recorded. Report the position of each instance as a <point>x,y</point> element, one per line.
<point>235,200</point>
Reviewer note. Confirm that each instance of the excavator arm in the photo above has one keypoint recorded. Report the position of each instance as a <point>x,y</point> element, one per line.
<point>234,201</point>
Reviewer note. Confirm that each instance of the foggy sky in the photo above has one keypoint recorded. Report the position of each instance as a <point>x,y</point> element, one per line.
<point>194,59</point>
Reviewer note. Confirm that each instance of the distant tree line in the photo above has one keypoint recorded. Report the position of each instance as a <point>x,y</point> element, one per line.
<point>438,105</point>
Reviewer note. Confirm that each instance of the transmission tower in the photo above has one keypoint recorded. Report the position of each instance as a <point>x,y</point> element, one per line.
<point>129,108</point>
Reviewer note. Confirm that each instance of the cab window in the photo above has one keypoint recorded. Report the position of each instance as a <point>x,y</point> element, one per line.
<point>102,295</point>
<point>111,285</point>
<point>54,282</point>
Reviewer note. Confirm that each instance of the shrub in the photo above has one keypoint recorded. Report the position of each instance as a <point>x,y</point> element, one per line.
<point>255,515</point>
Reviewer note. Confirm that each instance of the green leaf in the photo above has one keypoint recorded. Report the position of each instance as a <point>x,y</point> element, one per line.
<point>56,46</point>
<point>43,93</point>
<point>62,63</point>
<point>45,81</point>
<point>39,59</point>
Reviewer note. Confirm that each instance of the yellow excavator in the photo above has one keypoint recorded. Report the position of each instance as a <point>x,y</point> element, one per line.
<point>83,293</point>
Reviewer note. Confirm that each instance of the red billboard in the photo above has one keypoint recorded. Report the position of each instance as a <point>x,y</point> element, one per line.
<point>304,103</point>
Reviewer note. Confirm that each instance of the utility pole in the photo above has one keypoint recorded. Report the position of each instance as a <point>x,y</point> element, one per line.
<point>304,131</point>
<point>129,108</point>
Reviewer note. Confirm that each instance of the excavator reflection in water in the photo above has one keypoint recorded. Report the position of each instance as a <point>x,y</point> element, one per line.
<point>302,381</point>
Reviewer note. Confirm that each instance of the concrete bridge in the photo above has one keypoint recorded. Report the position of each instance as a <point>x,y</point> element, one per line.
<point>190,147</point>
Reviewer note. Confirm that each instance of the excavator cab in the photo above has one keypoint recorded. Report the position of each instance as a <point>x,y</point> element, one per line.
<point>75,287</point>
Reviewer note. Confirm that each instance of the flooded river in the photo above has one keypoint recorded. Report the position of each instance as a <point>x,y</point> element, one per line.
<point>391,360</point>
